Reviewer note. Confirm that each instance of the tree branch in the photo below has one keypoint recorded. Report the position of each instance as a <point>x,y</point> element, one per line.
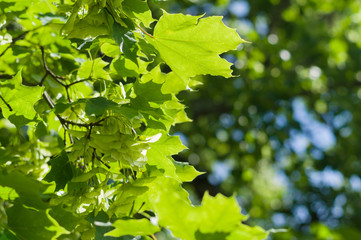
<point>73,83</point>
<point>43,79</point>
<point>57,78</point>
<point>84,124</point>
<point>62,121</point>
<point>53,75</point>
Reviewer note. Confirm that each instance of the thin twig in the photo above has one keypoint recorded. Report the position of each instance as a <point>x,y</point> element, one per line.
<point>7,104</point>
<point>53,75</point>
<point>143,203</point>
<point>48,98</point>
<point>52,105</point>
<point>57,78</point>
<point>82,124</point>
<point>99,159</point>
<point>73,83</point>
<point>67,94</point>
<point>21,36</point>
<point>43,79</point>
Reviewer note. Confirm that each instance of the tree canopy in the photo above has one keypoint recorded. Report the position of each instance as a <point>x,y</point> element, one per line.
<point>88,97</point>
<point>92,93</point>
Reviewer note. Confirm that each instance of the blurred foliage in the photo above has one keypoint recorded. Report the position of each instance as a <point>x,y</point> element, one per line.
<point>283,133</point>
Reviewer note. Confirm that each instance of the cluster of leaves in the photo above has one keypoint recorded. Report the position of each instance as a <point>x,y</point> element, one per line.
<point>287,135</point>
<point>88,96</point>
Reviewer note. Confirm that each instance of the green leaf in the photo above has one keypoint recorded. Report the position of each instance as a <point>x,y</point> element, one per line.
<point>110,49</point>
<point>93,69</point>
<point>150,94</point>
<point>7,156</point>
<point>126,41</point>
<point>173,83</point>
<point>98,106</point>
<point>29,190</point>
<point>148,100</point>
<point>172,207</point>
<point>7,235</point>
<point>138,10</point>
<point>131,196</point>
<point>61,171</point>
<point>125,67</point>
<point>160,152</point>
<point>20,100</point>
<point>7,193</point>
<point>29,224</point>
<point>186,172</point>
<point>211,236</point>
<point>191,45</point>
<point>66,219</point>
<point>248,233</point>
<point>95,23</point>
<point>102,224</point>
<point>86,176</point>
<point>219,214</point>
<point>133,227</point>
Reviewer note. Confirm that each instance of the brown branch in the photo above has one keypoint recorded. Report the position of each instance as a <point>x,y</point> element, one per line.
<point>57,78</point>
<point>53,75</point>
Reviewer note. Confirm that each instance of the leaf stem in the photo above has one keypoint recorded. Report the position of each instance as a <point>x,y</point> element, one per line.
<point>148,34</point>
<point>7,104</point>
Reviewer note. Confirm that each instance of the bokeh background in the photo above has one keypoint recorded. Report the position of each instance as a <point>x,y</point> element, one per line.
<point>284,134</point>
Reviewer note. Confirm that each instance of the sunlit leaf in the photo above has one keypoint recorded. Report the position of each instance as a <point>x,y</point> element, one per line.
<point>132,227</point>
<point>19,102</point>
<point>191,45</point>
